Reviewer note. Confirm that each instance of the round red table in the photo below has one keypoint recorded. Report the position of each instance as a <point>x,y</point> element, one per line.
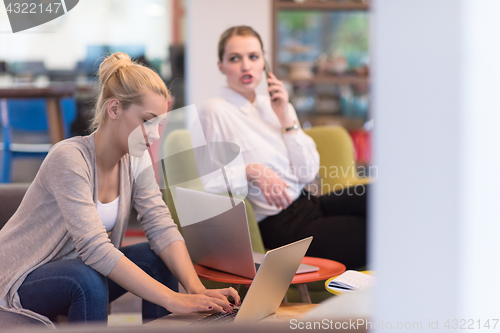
<point>327,269</point>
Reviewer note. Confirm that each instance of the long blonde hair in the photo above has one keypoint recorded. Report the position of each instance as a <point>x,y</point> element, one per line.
<point>127,81</point>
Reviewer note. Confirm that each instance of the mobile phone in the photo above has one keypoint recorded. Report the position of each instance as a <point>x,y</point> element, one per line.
<point>267,69</point>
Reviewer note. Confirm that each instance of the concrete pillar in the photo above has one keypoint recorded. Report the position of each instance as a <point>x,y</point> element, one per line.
<point>435,217</point>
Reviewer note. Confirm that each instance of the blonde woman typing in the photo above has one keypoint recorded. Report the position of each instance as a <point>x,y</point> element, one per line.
<point>56,257</point>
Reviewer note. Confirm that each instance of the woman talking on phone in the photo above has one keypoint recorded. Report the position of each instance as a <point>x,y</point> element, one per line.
<point>60,252</point>
<point>279,158</point>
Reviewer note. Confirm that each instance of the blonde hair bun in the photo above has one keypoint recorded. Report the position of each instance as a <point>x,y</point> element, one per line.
<point>128,82</point>
<point>113,64</point>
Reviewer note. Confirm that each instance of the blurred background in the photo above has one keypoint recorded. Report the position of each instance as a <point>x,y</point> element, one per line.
<point>320,49</point>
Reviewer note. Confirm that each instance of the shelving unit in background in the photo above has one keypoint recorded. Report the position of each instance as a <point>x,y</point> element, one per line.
<point>320,5</point>
<point>322,92</point>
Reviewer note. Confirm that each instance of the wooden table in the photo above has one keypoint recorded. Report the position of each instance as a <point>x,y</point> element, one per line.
<point>53,94</point>
<point>327,269</point>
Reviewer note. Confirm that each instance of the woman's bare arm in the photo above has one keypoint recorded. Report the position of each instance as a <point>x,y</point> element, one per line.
<point>177,259</point>
<point>132,278</point>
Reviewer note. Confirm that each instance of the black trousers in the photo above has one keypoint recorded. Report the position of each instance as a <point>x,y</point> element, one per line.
<point>337,222</point>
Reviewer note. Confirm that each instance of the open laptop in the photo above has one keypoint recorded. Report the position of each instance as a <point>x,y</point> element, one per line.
<point>215,229</point>
<point>269,285</point>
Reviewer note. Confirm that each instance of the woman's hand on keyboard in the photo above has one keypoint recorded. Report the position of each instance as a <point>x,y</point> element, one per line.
<point>223,294</point>
<point>189,303</point>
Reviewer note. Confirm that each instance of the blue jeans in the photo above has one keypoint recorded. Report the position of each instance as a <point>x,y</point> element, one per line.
<point>71,288</point>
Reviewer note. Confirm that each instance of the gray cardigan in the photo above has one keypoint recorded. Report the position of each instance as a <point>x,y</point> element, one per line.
<point>58,219</point>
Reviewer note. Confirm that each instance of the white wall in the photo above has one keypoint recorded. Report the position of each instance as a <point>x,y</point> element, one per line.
<point>206,20</point>
<point>435,216</point>
<point>63,41</point>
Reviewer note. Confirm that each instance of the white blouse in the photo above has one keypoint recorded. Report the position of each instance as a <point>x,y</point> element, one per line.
<point>108,213</point>
<point>256,129</point>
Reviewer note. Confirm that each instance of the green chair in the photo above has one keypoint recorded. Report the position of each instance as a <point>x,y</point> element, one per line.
<point>337,165</point>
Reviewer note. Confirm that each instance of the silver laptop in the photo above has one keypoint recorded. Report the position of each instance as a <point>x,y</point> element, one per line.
<point>215,229</point>
<point>269,285</point>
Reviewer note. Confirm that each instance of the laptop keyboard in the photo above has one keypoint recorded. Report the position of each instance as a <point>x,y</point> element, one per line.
<point>217,318</point>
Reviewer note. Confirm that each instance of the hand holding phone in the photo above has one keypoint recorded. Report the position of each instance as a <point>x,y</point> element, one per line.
<point>279,97</point>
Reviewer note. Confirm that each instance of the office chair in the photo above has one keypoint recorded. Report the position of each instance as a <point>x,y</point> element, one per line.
<point>336,152</point>
<point>23,117</point>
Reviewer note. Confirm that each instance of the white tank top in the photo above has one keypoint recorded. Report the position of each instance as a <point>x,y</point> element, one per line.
<point>108,213</point>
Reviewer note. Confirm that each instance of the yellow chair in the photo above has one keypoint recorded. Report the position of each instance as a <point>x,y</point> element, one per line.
<point>337,165</point>
<point>180,141</point>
